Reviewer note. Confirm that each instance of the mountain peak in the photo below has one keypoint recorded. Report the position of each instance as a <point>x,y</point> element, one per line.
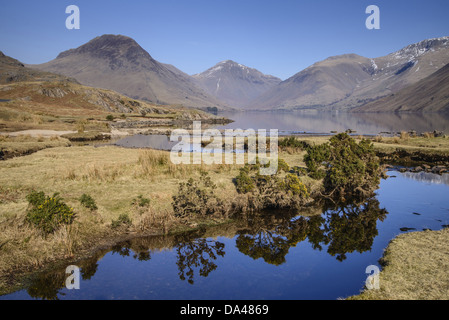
<point>235,83</point>
<point>119,63</point>
<point>413,51</point>
<point>108,46</point>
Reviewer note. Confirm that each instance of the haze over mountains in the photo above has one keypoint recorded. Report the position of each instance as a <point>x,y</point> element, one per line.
<point>343,82</point>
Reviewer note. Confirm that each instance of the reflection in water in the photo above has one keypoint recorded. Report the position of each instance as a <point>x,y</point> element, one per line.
<point>275,255</point>
<point>342,229</point>
<point>49,285</point>
<point>428,177</point>
<point>268,236</point>
<point>194,253</point>
<point>325,122</point>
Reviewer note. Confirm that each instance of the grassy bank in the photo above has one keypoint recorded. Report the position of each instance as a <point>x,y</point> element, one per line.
<point>415,267</point>
<point>138,184</point>
<point>11,147</point>
<point>132,191</point>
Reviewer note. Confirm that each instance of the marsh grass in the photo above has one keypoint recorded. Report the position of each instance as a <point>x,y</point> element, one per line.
<point>153,220</point>
<point>414,268</point>
<point>26,144</point>
<point>404,135</point>
<point>113,176</point>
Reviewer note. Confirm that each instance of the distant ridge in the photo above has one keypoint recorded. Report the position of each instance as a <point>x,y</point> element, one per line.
<point>235,83</point>
<point>12,70</point>
<point>430,94</point>
<point>119,63</point>
<point>347,81</point>
<point>343,82</point>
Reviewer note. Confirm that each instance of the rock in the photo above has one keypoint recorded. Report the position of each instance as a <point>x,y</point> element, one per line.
<point>438,134</point>
<point>417,169</point>
<point>426,166</point>
<point>439,169</point>
<point>53,92</point>
<point>403,170</point>
<point>406,229</point>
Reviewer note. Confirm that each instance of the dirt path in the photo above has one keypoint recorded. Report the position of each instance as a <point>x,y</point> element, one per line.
<point>37,133</point>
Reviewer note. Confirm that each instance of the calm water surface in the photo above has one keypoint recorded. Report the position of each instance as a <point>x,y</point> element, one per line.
<point>300,123</point>
<point>324,123</point>
<point>271,256</point>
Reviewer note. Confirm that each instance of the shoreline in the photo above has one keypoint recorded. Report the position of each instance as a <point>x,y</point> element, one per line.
<point>414,267</point>
<point>104,237</point>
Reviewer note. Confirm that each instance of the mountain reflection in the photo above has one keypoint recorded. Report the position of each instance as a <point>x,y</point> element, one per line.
<point>427,177</point>
<point>268,236</point>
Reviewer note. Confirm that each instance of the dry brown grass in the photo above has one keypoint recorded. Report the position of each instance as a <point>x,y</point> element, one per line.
<point>404,135</point>
<point>112,176</point>
<point>26,144</point>
<point>416,268</point>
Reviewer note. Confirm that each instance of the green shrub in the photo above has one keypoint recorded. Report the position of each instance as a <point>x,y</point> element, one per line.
<point>315,160</point>
<point>88,202</point>
<point>243,182</point>
<point>123,219</point>
<point>293,142</point>
<point>48,213</point>
<point>283,166</point>
<point>349,169</point>
<point>110,117</point>
<point>197,197</point>
<point>291,183</point>
<point>278,191</point>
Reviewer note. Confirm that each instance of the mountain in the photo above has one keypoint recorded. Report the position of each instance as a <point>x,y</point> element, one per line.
<point>235,84</point>
<point>26,93</point>
<point>430,94</point>
<point>12,70</point>
<point>119,63</point>
<point>348,81</point>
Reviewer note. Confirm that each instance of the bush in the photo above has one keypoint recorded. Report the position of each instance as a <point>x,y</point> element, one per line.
<point>123,219</point>
<point>293,142</point>
<point>349,169</point>
<point>197,198</point>
<point>88,202</point>
<point>110,117</point>
<point>271,192</point>
<point>243,183</point>
<point>48,213</point>
<point>315,160</point>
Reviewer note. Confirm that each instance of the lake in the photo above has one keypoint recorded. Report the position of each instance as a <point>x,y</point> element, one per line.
<point>325,122</point>
<point>267,256</point>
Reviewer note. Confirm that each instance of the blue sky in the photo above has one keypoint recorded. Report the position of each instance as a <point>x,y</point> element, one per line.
<point>276,37</point>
